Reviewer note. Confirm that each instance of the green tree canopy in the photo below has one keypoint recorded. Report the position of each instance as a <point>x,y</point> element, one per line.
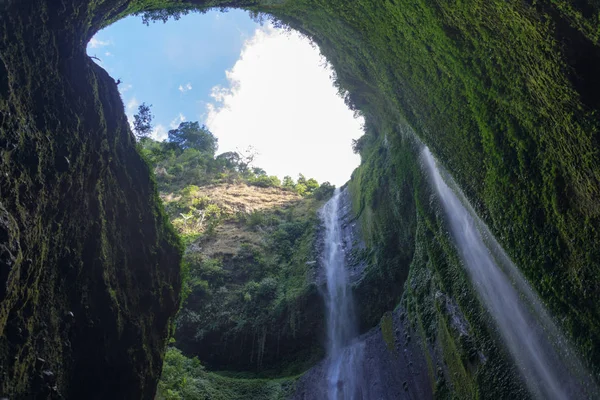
<point>142,121</point>
<point>288,182</point>
<point>259,171</point>
<point>301,179</point>
<point>229,160</point>
<point>311,185</point>
<point>324,191</point>
<point>190,135</point>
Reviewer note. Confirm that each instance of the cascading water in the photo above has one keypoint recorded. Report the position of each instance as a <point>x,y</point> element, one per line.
<point>345,355</point>
<point>548,364</point>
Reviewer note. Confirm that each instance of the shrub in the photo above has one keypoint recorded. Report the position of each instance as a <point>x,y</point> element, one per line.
<point>324,191</point>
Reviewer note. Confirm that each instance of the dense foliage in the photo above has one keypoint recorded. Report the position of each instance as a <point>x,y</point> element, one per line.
<point>185,378</point>
<point>250,241</point>
<point>505,94</point>
<point>248,291</point>
<point>188,158</point>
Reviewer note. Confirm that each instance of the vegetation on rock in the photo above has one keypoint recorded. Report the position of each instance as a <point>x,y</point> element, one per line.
<point>249,300</point>
<point>89,265</point>
<point>505,95</point>
<point>186,378</point>
<point>504,92</point>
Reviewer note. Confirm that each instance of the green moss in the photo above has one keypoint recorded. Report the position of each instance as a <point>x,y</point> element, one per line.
<point>387,330</point>
<point>463,383</point>
<point>79,208</point>
<point>503,92</point>
<point>252,305</point>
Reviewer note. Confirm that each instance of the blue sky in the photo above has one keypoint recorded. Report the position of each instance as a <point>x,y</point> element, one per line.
<point>250,84</point>
<point>154,61</point>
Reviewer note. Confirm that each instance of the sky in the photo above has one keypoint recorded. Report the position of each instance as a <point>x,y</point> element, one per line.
<point>251,85</point>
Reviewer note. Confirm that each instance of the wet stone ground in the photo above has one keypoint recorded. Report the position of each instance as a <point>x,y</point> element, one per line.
<point>387,374</point>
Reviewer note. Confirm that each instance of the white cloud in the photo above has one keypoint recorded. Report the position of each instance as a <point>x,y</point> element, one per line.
<point>108,54</point>
<point>178,119</point>
<point>96,43</point>
<point>130,109</point>
<point>281,100</point>
<point>132,104</point>
<point>125,88</point>
<point>185,88</point>
<point>159,133</point>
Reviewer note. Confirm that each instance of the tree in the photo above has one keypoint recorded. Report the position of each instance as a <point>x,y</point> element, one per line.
<point>142,121</point>
<point>300,188</point>
<point>164,15</point>
<point>229,160</point>
<point>154,151</point>
<point>265,181</point>
<point>247,158</point>
<point>301,179</point>
<point>324,191</point>
<point>259,171</point>
<point>288,182</point>
<point>311,185</point>
<point>190,135</point>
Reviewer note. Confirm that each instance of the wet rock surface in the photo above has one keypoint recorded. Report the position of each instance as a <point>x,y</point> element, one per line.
<point>387,373</point>
<point>89,269</point>
<point>352,243</point>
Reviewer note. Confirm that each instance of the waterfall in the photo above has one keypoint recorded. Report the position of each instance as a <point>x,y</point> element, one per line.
<point>549,366</point>
<point>344,354</point>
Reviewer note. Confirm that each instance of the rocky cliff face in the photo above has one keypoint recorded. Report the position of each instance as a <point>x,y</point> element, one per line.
<point>393,366</point>
<point>89,268</point>
<point>252,304</point>
<point>503,92</point>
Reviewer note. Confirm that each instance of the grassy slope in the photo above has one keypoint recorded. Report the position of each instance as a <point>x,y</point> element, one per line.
<point>249,282</point>
<point>251,303</point>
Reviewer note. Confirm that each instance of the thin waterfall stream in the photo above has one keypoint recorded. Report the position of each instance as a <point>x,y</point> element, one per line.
<point>345,353</point>
<point>548,364</point>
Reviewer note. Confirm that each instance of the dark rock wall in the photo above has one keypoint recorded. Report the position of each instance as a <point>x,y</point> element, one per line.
<point>89,268</point>
<point>393,366</point>
<point>465,356</point>
<point>503,92</point>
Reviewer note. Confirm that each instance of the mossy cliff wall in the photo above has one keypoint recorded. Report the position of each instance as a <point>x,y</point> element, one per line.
<point>505,93</point>
<point>465,357</point>
<point>89,268</point>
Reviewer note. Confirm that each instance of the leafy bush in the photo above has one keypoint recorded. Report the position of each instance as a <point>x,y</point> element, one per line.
<point>185,378</point>
<point>265,181</point>
<point>300,188</point>
<point>254,292</point>
<point>324,191</point>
